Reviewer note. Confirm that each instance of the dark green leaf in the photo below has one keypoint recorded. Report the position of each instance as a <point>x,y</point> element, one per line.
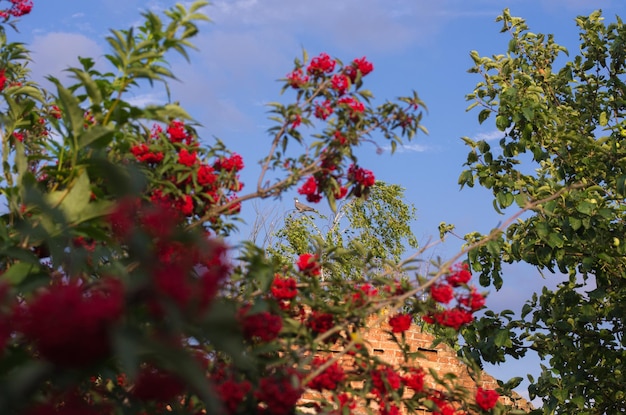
<point>483,115</point>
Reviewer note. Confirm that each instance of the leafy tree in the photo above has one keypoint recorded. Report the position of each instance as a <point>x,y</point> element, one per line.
<point>377,231</point>
<point>562,156</point>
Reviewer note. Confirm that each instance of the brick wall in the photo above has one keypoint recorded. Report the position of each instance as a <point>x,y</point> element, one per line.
<point>440,358</point>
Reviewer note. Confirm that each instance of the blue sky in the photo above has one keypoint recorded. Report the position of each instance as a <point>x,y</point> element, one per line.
<point>414,44</point>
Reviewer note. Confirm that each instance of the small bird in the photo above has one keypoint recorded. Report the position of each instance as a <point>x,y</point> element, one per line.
<point>302,207</point>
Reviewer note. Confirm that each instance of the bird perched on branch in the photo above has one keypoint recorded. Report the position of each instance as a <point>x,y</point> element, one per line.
<point>302,207</point>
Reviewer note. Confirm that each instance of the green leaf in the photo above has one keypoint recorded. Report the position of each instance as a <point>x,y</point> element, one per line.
<point>394,145</point>
<point>585,207</point>
<point>484,279</point>
<point>127,345</point>
<point>502,122</point>
<point>225,333</point>
<point>121,180</point>
<point>466,178</point>
<point>332,203</point>
<point>494,247</point>
<point>514,383</point>
<point>29,91</point>
<point>168,112</point>
<point>550,206</point>
<point>575,223</point>
<point>73,114</point>
<point>542,229</point>
<point>23,377</point>
<point>620,184</point>
<point>21,160</point>
<point>529,113</point>
<point>483,115</point>
<point>197,5</point>
<point>73,201</point>
<point>555,240</point>
<point>521,200</point>
<point>99,135</point>
<point>505,199</point>
<point>19,254</point>
<point>560,394</point>
<point>90,85</point>
<point>17,273</point>
<point>502,339</point>
<point>468,141</point>
<point>579,401</point>
<point>94,210</point>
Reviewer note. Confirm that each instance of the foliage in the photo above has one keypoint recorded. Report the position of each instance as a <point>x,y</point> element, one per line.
<point>562,156</point>
<point>118,290</point>
<point>364,232</point>
<point>384,220</point>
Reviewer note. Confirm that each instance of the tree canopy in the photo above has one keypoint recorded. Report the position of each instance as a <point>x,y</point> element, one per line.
<point>562,156</point>
<point>376,230</point>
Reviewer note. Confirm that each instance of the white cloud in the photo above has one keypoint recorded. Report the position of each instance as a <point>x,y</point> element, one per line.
<point>408,148</point>
<point>578,6</point>
<point>229,75</point>
<point>54,52</point>
<point>418,148</point>
<point>251,41</point>
<point>142,100</point>
<point>374,25</point>
<point>242,55</point>
<point>489,136</point>
<point>212,97</point>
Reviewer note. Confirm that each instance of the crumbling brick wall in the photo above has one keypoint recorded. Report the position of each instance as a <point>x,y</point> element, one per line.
<point>441,358</point>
